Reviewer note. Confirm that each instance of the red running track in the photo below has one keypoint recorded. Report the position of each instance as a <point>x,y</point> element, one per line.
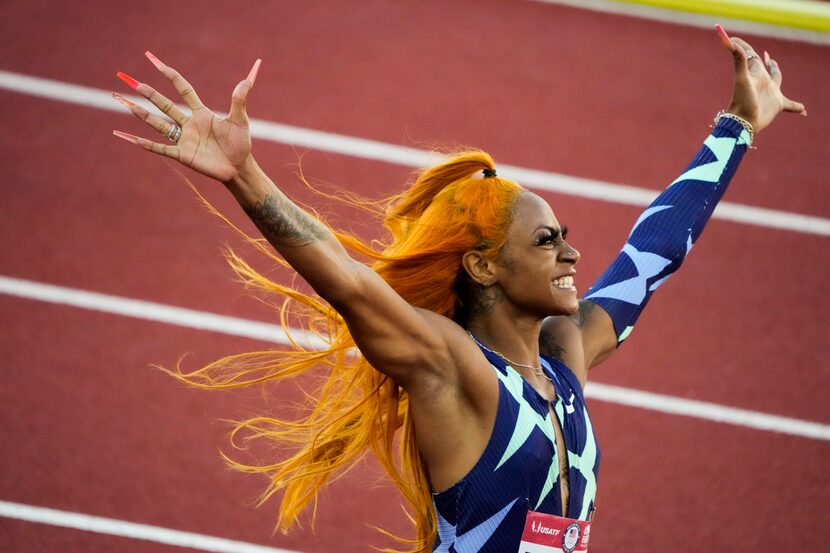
<point>89,427</point>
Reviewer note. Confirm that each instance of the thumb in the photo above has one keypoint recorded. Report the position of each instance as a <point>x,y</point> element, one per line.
<point>238,115</point>
<point>239,98</point>
<point>794,107</point>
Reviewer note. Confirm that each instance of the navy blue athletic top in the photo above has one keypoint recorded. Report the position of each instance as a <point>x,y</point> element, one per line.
<point>519,470</point>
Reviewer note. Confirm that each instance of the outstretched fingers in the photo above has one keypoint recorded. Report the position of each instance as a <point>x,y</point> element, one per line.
<point>184,88</point>
<point>166,150</point>
<point>165,105</point>
<point>773,69</point>
<point>161,125</point>
<point>238,113</point>
<point>744,56</point>
<point>747,52</point>
<point>777,77</point>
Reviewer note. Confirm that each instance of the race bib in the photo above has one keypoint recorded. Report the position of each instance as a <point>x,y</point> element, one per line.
<point>552,534</point>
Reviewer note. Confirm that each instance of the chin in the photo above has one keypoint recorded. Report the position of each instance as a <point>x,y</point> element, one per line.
<point>566,309</point>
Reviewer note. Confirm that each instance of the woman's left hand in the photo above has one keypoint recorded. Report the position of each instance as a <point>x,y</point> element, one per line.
<point>757,95</point>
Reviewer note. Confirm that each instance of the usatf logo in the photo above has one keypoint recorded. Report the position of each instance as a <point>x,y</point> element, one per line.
<point>539,528</point>
<point>570,538</point>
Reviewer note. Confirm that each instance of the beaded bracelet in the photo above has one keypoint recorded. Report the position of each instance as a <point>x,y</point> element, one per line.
<point>741,121</point>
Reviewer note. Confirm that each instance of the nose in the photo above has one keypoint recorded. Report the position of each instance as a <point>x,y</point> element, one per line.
<point>570,254</point>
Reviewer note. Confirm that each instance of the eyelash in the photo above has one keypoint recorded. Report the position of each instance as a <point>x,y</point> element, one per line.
<point>562,235</point>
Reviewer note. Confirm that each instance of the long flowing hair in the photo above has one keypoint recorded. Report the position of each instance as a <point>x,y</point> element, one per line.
<point>447,211</point>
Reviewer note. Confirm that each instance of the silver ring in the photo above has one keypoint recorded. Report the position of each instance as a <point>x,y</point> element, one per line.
<point>174,133</point>
<point>751,55</point>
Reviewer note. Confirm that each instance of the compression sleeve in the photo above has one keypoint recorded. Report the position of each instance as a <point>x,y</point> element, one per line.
<point>667,229</point>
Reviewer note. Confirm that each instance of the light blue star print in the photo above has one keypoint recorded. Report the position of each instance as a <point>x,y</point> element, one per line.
<point>584,463</point>
<point>711,172</point>
<point>527,420</point>
<point>648,265</point>
<point>634,289</point>
<point>472,540</point>
<point>528,417</point>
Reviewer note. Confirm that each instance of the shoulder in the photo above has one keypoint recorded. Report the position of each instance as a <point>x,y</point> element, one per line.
<point>582,340</point>
<point>561,338</point>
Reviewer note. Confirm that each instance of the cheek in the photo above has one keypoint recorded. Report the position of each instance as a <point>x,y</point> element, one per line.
<point>534,282</point>
<point>530,274</point>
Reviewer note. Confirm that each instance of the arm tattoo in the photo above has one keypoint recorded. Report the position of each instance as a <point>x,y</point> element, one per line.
<point>585,309</point>
<point>285,224</point>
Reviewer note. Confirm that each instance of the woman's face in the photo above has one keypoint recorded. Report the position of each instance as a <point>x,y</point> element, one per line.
<point>536,265</point>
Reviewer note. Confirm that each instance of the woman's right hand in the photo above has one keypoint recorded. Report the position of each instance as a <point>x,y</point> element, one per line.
<point>215,147</point>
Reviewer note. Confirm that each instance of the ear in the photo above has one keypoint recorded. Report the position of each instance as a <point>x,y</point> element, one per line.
<point>482,269</point>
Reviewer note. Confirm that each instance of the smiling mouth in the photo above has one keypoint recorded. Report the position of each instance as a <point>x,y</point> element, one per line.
<point>564,283</point>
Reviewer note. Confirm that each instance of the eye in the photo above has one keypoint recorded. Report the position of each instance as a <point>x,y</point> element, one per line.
<point>546,239</point>
<point>553,236</point>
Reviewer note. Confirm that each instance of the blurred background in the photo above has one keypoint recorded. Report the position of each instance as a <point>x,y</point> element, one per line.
<point>713,419</point>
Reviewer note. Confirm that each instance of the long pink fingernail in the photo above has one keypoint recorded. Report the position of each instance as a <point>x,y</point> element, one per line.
<point>123,100</point>
<point>127,79</point>
<point>723,36</point>
<point>254,70</point>
<point>125,136</point>
<point>766,57</point>
<point>154,60</point>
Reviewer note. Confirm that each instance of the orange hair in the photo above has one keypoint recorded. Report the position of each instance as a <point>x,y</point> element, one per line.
<point>445,213</point>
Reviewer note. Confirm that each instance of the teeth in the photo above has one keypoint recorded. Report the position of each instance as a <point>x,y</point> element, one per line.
<point>564,282</point>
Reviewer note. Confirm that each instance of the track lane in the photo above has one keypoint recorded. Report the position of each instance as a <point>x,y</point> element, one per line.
<point>532,103</point>
<point>105,406</point>
<point>120,228</point>
<point>276,336</point>
<point>402,97</point>
<point>129,530</point>
<point>350,146</point>
<point>119,439</point>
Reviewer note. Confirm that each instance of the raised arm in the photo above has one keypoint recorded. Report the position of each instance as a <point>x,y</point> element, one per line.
<point>395,338</point>
<point>665,232</point>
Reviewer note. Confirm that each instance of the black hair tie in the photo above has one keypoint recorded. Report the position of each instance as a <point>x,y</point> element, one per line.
<point>489,173</point>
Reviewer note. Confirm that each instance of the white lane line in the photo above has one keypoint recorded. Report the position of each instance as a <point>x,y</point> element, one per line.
<point>123,528</point>
<point>705,410</point>
<point>272,333</point>
<point>413,157</point>
<point>679,17</point>
<point>157,312</point>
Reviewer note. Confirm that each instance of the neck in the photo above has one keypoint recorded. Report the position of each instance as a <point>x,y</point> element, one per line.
<point>515,339</point>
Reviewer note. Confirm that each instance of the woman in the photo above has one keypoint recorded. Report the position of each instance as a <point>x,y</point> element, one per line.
<point>470,334</point>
